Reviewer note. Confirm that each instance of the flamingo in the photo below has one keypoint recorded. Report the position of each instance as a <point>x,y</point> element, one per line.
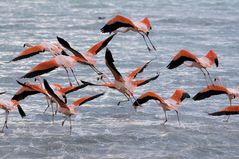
<point>171,103</point>
<point>142,27</point>
<point>66,62</point>
<point>202,63</point>
<point>212,90</point>
<point>228,110</point>
<point>9,105</point>
<point>90,53</point>
<point>54,48</point>
<point>124,85</point>
<point>68,111</point>
<point>31,89</point>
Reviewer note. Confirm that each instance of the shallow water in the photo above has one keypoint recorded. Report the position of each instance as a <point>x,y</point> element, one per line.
<point>103,129</point>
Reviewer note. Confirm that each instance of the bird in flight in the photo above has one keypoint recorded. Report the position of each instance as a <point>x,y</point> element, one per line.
<point>54,47</point>
<point>142,27</point>
<point>202,63</point>
<point>211,90</point>
<point>90,53</point>
<point>228,110</point>
<point>124,85</point>
<point>171,103</point>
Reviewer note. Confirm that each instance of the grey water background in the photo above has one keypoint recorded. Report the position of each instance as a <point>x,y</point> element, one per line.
<point>103,129</point>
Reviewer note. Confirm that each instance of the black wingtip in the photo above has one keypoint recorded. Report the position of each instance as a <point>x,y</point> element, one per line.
<point>216,62</point>
<point>170,65</point>
<point>103,29</point>
<point>198,96</point>
<point>64,53</point>
<point>63,42</point>
<point>108,55</point>
<point>21,112</point>
<point>2,92</point>
<point>20,83</point>
<point>98,95</point>
<point>87,83</point>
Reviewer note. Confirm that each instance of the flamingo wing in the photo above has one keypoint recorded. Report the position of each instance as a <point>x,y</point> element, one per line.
<point>209,91</point>
<point>52,94</point>
<point>70,89</point>
<point>117,22</point>
<point>30,52</point>
<point>179,95</point>
<point>42,68</point>
<point>23,92</point>
<point>110,85</point>
<point>140,69</point>
<point>229,110</point>
<point>21,111</point>
<point>99,46</point>
<point>143,82</point>
<point>180,58</point>
<point>66,45</point>
<point>2,93</point>
<point>85,99</point>
<point>110,64</point>
<point>212,56</point>
<point>31,87</point>
<point>146,97</point>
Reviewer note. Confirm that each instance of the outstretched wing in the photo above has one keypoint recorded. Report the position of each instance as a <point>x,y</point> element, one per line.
<point>117,22</point>
<point>21,111</point>
<point>209,91</point>
<point>110,64</point>
<point>52,93</point>
<point>99,46</point>
<point>180,58</point>
<point>70,89</point>
<point>143,82</point>
<point>140,69</point>
<point>179,95</point>
<point>23,92</point>
<point>85,99</point>
<point>30,52</point>
<point>146,97</point>
<point>41,68</point>
<point>66,45</point>
<point>32,87</point>
<point>229,110</point>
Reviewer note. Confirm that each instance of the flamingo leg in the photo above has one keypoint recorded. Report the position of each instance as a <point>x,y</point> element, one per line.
<point>123,101</point>
<point>68,76</point>
<point>166,119</point>
<point>145,42</point>
<point>63,122</point>
<point>204,76</point>
<point>136,100</point>
<point>96,70</point>
<point>230,101</point>
<point>74,76</point>
<point>48,105</point>
<point>101,74</point>
<point>56,109</point>
<point>147,35</point>
<point>177,117</point>
<point>128,98</point>
<point>6,119</point>
<point>209,75</point>
<point>70,124</point>
<point>53,115</point>
<point>227,118</point>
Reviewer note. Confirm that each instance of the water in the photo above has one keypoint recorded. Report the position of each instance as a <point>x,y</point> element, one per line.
<point>102,129</point>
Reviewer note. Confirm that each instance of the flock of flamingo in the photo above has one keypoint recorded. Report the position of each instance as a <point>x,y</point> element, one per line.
<point>56,94</point>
